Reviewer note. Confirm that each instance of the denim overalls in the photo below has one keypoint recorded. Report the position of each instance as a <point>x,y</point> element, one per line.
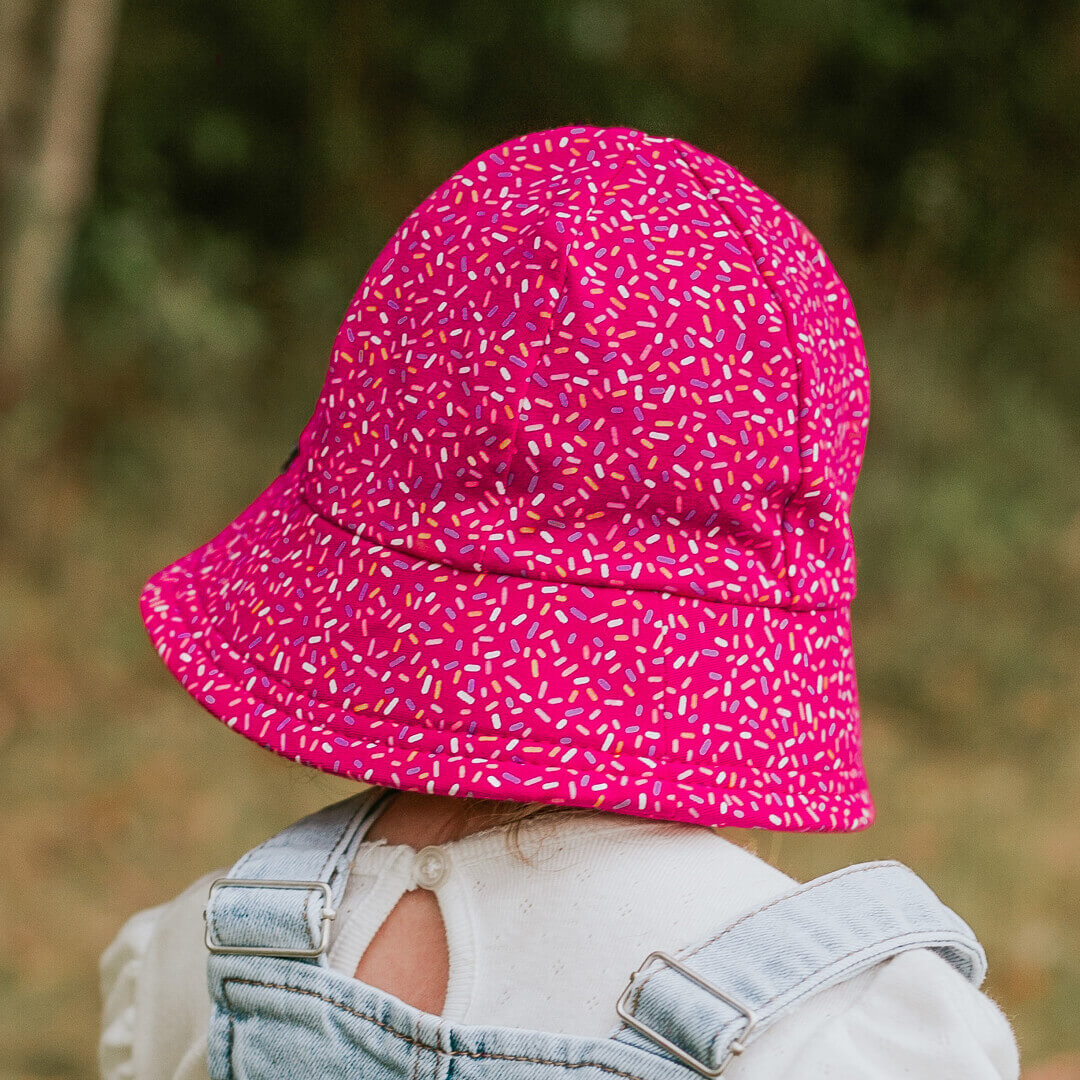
<point>280,1013</point>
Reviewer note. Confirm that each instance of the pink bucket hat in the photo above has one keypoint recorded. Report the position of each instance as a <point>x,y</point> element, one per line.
<point>570,521</point>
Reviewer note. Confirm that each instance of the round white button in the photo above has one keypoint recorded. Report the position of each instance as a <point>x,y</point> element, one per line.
<point>431,867</point>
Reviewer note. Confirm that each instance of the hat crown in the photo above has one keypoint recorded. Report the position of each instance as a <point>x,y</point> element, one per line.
<point>603,357</point>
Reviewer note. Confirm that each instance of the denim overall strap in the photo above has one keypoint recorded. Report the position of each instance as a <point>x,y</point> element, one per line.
<point>278,899</point>
<point>709,1002</point>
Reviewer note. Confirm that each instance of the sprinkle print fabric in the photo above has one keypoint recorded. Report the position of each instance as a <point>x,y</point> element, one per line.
<point>570,520</point>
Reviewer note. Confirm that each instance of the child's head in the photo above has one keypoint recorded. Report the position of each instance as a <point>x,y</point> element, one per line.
<point>570,521</point>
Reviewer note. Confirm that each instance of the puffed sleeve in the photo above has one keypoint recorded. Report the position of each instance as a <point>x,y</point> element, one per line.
<point>119,969</point>
<point>155,1003</point>
<point>910,1017</point>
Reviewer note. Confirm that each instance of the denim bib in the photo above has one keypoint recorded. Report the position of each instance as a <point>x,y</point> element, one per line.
<point>280,1013</point>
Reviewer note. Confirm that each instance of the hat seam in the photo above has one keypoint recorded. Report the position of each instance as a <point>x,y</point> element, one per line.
<point>564,280</point>
<point>795,352</point>
<point>356,534</point>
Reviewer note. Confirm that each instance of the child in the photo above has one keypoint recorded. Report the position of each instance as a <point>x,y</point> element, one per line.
<point>561,569</point>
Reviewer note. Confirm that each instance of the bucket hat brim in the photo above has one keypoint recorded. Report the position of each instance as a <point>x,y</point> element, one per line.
<point>365,661</point>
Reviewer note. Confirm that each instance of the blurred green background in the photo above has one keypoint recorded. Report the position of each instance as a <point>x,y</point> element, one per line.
<point>191,192</point>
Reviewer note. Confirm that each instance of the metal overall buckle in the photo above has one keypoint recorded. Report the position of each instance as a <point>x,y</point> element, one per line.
<point>737,1045</point>
<point>326,915</point>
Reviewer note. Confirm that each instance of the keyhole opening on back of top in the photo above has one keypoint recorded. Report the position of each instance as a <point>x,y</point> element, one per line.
<point>408,955</point>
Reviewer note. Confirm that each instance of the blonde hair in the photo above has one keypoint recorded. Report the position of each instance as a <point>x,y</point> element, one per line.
<point>482,814</point>
<point>511,816</point>
<point>472,814</point>
<point>514,815</point>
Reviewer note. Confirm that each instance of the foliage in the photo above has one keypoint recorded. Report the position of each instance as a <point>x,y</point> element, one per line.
<point>255,154</point>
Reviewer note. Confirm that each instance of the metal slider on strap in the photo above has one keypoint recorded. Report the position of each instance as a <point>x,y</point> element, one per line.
<point>737,1045</point>
<point>326,915</point>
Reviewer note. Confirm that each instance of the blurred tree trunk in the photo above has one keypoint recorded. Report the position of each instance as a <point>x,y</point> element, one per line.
<point>16,17</point>
<point>57,183</point>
